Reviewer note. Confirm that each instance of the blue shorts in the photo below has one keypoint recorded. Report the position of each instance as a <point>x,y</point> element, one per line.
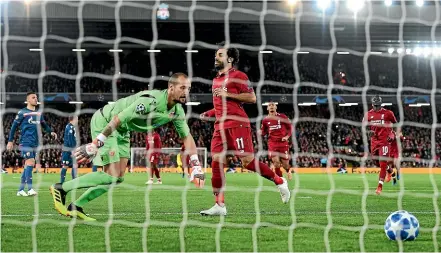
<point>66,158</point>
<point>28,152</point>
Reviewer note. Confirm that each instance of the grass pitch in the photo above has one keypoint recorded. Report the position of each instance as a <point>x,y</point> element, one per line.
<point>166,217</point>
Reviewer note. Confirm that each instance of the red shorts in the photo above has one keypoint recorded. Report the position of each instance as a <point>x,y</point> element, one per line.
<point>238,141</point>
<point>393,152</point>
<point>380,150</point>
<point>279,149</point>
<point>154,158</point>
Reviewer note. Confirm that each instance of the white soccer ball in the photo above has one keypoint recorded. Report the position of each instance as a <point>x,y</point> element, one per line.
<point>402,226</point>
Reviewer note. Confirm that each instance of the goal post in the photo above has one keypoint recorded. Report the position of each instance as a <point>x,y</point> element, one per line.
<point>168,158</point>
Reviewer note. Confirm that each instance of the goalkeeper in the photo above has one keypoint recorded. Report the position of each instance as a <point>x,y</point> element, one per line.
<point>110,148</point>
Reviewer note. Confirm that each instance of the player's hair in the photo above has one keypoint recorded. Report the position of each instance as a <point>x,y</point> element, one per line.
<point>231,52</point>
<point>71,118</point>
<point>174,78</point>
<point>30,93</point>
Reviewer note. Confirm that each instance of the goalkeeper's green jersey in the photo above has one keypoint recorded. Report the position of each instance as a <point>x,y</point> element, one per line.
<point>145,111</point>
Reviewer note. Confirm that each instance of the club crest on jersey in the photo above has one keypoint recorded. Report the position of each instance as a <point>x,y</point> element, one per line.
<point>140,109</point>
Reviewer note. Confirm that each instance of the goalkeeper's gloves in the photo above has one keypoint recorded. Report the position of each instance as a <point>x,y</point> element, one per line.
<point>86,153</point>
<point>197,175</point>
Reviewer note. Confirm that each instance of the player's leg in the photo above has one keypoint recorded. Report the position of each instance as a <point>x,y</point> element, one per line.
<point>21,192</point>
<point>285,164</point>
<point>29,157</point>
<point>66,162</point>
<point>218,152</point>
<point>383,154</point>
<point>150,170</point>
<point>156,171</point>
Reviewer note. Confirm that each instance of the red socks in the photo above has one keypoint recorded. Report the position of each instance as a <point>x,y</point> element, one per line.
<point>383,168</point>
<point>265,172</point>
<point>217,182</point>
<point>156,171</point>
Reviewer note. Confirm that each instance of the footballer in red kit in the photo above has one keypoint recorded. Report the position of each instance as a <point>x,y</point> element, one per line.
<point>232,131</point>
<point>380,122</point>
<point>153,148</point>
<point>278,127</point>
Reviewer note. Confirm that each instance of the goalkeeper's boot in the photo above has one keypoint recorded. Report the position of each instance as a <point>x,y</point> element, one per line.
<point>216,210</point>
<point>32,192</point>
<point>285,194</point>
<point>78,212</point>
<point>59,197</point>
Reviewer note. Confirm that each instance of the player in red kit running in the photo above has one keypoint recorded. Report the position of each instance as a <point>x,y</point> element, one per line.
<point>380,122</point>
<point>278,127</point>
<point>153,147</point>
<point>232,131</point>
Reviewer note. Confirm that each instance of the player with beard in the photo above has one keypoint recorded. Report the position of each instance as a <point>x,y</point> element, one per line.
<point>232,132</point>
<point>380,122</point>
<point>278,127</point>
<point>110,148</point>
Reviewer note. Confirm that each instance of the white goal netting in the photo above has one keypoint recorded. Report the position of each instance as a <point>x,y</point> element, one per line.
<point>322,61</point>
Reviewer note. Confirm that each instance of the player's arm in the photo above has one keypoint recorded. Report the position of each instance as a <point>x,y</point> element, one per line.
<point>46,127</point>
<point>287,125</point>
<point>17,121</point>
<point>208,114</point>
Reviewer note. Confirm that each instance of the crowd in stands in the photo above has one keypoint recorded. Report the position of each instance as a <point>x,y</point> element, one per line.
<point>311,138</point>
<point>314,76</point>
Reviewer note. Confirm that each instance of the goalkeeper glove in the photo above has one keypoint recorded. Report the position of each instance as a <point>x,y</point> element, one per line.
<point>86,153</point>
<point>197,176</point>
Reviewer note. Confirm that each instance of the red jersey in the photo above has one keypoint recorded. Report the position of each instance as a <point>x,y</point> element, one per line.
<point>276,127</point>
<point>153,140</point>
<point>231,113</point>
<point>381,123</point>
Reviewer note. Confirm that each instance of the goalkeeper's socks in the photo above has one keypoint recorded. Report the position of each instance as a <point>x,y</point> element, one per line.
<point>94,168</point>
<point>28,175</point>
<point>22,180</point>
<point>265,171</point>
<point>91,194</point>
<point>90,180</point>
<point>74,172</point>
<point>63,174</point>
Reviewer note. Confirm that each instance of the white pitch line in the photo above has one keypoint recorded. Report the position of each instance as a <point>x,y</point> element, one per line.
<point>237,213</point>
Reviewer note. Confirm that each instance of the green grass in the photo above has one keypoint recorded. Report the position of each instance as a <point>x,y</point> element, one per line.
<point>153,220</point>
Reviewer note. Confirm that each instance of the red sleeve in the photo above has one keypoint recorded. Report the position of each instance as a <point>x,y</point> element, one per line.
<point>392,117</point>
<point>287,123</point>
<point>158,144</point>
<point>264,127</point>
<point>210,113</point>
<point>243,84</point>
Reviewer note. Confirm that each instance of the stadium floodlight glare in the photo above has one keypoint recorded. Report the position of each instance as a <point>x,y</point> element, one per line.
<point>291,2</point>
<point>414,105</point>
<point>307,104</point>
<point>390,50</point>
<point>419,3</point>
<point>1,103</point>
<point>424,104</point>
<point>115,50</point>
<point>342,52</point>
<point>38,103</point>
<point>408,51</point>
<point>386,104</point>
<point>154,51</point>
<point>35,49</point>
<point>266,52</point>
<point>355,5</point>
<point>376,52</point>
<point>79,50</point>
<point>417,51</point>
<point>111,102</point>
<point>267,103</point>
<point>400,50</point>
<point>348,104</point>
<point>427,51</point>
<point>388,2</point>
<point>193,103</point>
<point>302,52</point>
<point>75,102</point>
<point>191,51</point>
<point>323,4</point>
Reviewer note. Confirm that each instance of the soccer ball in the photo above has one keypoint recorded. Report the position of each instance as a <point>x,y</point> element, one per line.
<point>401,226</point>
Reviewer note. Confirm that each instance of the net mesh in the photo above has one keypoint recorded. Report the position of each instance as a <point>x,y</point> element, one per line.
<point>363,225</point>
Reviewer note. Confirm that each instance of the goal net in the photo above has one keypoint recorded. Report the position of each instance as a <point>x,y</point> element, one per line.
<point>168,159</point>
<point>320,61</point>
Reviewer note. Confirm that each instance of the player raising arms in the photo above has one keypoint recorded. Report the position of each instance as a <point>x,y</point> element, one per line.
<point>380,122</point>
<point>279,129</point>
<point>153,148</point>
<point>110,148</point>
<point>28,120</point>
<point>70,142</point>
<point>232,132</point>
